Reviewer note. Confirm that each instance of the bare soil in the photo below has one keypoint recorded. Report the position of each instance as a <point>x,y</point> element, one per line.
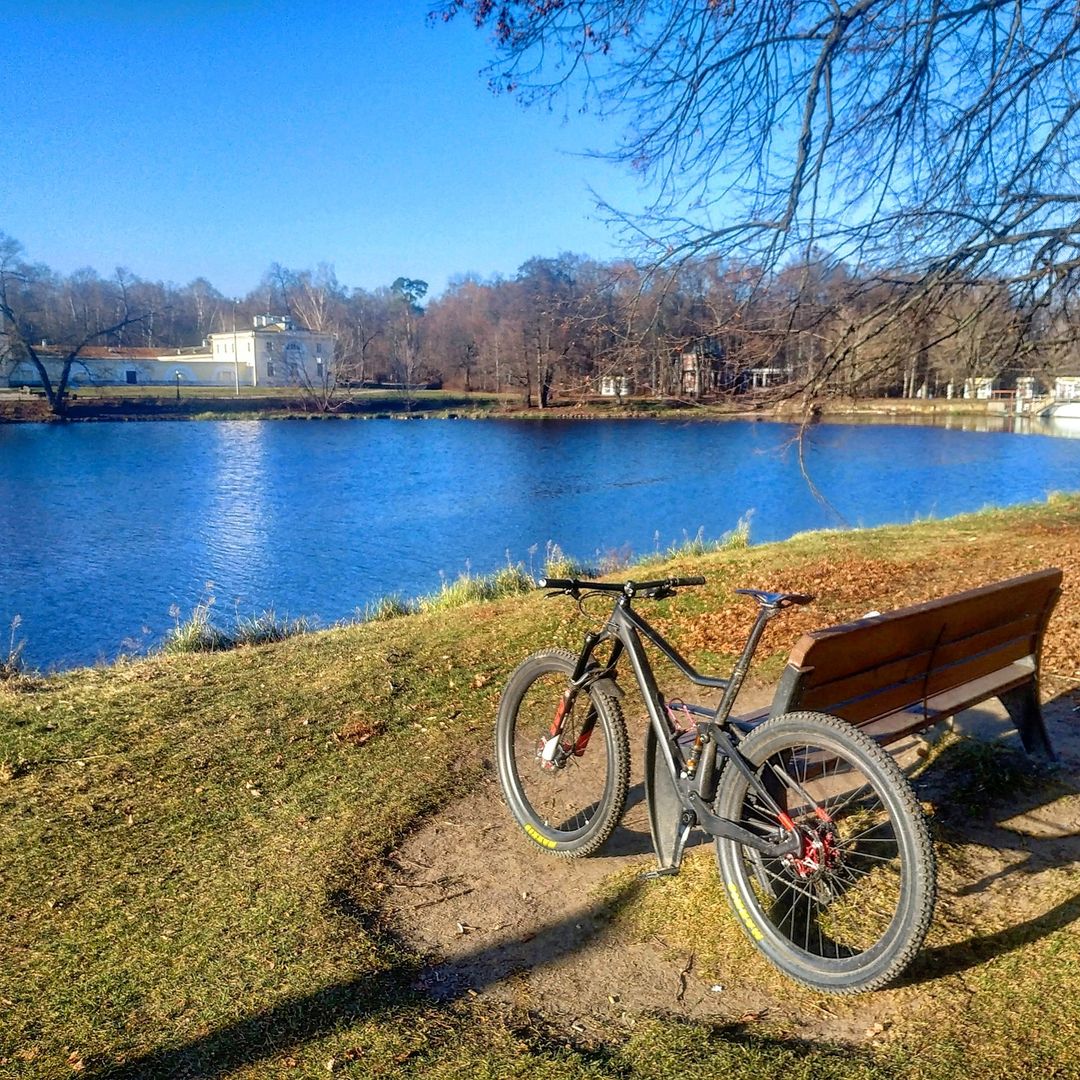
<point>496,917</point>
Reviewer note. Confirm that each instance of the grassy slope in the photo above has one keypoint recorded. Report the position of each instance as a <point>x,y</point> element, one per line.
<point>190,846</point>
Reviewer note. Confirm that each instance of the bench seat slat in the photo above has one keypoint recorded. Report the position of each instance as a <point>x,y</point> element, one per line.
<point>894,726</point>
<point>864,667</point>
<point>1019,634</point>
<point>879,692</point>
<point>942,679</point>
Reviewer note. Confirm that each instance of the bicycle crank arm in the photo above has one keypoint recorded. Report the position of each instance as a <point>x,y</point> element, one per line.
<point>728,830</point>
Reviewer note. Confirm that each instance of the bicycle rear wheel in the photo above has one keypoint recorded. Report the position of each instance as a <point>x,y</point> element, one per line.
<point>570,800</point>
<point>849,911</point>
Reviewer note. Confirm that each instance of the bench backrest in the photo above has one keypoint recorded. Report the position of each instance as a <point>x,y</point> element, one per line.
<point>890,662</point>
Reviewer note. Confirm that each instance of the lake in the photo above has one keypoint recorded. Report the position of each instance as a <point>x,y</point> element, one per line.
<point>107,529</point>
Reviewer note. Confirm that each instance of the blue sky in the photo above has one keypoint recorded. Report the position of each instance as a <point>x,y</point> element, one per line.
<point>187,138</point>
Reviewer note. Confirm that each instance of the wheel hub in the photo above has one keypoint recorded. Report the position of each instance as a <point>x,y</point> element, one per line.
<point>818,854</point>
<point>551,753</point>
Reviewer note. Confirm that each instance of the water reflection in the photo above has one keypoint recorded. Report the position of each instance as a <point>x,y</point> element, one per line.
<point>1000,422</point>
<point>237,528</point>
<point>1064,427</point>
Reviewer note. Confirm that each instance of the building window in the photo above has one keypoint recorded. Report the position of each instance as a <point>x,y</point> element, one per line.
<point>269,370</point>
<point>318,347</point>
<point>132,377</point>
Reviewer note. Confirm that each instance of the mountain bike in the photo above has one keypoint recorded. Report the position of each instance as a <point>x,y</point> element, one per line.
<point>822,847</point>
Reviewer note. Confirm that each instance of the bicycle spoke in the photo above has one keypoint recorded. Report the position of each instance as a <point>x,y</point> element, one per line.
<point>562,759</point>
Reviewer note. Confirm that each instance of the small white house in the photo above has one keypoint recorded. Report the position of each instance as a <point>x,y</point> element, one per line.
<point>974,389</point>
<point>761,378</point>
<point>1067,388</point>
<point>1026,388</point>
<point>616,386</point>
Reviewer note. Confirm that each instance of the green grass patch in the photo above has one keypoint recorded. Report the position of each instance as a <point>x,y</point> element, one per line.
<point>11,662</point>
<point>200,633</point>
<point>469,588</point>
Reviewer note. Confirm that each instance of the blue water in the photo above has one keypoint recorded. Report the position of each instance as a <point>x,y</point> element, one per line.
<point>108,530</point>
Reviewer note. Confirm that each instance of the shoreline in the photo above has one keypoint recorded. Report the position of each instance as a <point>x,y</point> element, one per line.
<point>450,405</point>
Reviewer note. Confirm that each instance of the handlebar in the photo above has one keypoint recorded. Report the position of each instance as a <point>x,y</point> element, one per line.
<point>574,586</point>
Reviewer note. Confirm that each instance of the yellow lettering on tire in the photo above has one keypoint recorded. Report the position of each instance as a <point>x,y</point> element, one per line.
<point>744,914</point>
<point>533,834</point>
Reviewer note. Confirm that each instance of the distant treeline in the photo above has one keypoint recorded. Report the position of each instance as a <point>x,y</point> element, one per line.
<point>572,326</point>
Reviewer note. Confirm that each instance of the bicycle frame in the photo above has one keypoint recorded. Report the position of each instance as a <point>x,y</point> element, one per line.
<point>693,779</point>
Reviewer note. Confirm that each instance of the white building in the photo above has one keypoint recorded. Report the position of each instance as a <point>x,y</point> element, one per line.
<point>274,352</point>
<point>616,386</point>
<point>761,378</point>
<point>979,389</point>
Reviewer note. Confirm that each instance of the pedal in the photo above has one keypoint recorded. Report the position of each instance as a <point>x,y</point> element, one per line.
<point>663,871</point>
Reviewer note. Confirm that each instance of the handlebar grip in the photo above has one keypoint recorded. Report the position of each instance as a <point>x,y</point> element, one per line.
<point>684,581</point>
<point>556,583</point>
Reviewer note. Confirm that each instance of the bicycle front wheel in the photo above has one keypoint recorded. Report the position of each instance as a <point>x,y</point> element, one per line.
<point>849,910</point>
<point>569,799</point>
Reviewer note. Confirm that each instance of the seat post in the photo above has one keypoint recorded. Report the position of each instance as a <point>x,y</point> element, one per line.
<point>742,665</point>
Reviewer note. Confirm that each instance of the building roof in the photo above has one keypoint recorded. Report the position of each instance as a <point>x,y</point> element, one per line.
<point>110,352</point>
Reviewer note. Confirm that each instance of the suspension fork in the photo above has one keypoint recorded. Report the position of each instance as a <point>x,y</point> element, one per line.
<point>582,675</point>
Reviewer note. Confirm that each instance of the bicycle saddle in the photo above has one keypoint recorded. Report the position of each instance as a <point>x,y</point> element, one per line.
<point>776,599</point>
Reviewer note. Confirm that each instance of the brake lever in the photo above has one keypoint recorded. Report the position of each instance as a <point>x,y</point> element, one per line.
<point>659,594</point>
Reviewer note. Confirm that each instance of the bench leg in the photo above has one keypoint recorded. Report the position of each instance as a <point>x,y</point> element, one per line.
<point>1023,706</point>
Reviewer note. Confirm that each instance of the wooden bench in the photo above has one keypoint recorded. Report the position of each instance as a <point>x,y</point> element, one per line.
<point>895,674</point>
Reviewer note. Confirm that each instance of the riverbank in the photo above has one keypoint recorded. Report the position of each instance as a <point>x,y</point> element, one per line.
<point>207,859</point>
<point>120,404</point>
<point>153,403</point>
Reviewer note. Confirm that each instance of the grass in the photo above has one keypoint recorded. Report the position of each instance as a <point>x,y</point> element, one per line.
<point>980,773</point>
<point>192,846</point>
<point>467,589</point>
<point>199,632</point>
<point>735,540</point>
<point>11,664</point>
<point>557,564</point>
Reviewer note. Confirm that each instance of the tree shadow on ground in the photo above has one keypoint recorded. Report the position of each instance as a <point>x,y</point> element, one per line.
<point>960,956</point>
<point>302,1018</point>
<point>993,795</point>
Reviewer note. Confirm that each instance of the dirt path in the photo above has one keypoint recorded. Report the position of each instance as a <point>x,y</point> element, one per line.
<point>496,917</point>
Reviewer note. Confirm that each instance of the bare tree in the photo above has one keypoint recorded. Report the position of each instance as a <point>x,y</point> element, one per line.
<point>26,292</point>
<point>926,143</point>
<point>365,322</point>
<point>405,332</point>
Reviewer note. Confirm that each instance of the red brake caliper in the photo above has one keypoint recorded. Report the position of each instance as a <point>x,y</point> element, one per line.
<point>817,851</point>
